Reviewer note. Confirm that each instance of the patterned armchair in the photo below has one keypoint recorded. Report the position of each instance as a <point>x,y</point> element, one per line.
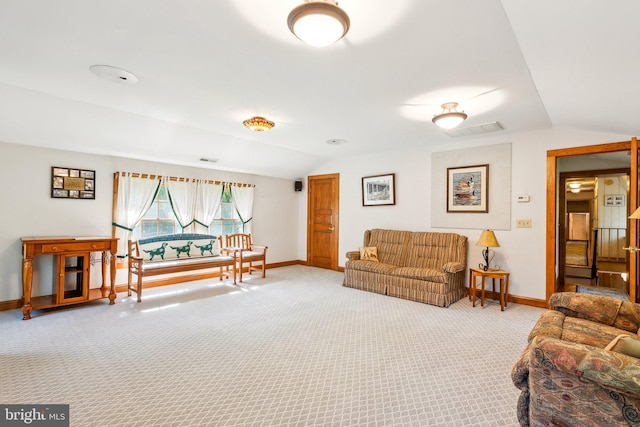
<point>582,365</point>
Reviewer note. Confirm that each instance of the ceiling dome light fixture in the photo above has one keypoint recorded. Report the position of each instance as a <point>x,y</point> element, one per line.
<point>574,187</point>
<point>258,124</point>
<point>318,23</point>
<point>449,119</point>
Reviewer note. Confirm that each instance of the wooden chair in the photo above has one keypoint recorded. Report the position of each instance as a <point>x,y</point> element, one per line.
<point>248,253</point>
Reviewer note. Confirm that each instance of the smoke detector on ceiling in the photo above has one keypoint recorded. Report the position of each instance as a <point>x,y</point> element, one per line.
<point>113,74</point>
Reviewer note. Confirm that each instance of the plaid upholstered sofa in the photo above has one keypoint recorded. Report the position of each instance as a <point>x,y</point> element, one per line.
<point>576,370</point>
<point>420,266</point>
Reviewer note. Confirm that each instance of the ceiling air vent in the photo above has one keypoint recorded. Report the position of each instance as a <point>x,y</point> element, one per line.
<point>204,159</point>
<point>475,130</point>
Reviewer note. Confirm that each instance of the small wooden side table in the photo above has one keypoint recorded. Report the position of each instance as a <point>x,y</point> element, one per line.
<point>501,275</point>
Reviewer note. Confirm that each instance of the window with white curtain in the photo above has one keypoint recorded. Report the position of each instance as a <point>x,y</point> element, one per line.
<point>160,219</point>
<point>226,220</point>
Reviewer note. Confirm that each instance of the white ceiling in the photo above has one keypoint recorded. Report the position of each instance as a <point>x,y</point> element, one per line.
<point>205,66</point>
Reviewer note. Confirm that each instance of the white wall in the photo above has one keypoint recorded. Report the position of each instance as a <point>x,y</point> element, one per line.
<point>29,210</point>
<point>279,212</point>
<point>521,251</point>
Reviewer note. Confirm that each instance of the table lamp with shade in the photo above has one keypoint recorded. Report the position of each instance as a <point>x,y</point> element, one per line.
<point>488,240</point>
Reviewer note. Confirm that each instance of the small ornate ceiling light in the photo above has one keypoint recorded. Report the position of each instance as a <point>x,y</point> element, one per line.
<point>318,23</point>
<point>449,118</point>
<point>258,124</point>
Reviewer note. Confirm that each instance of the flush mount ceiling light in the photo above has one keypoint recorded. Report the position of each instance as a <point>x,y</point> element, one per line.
<point>318,23</point>
<point>449,118</point>
<point>574,187</point>
<point>258,124</point>
<point>113,74</point>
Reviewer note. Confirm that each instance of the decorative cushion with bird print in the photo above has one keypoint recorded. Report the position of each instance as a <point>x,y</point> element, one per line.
<point>178,246</point>
<point>369,253</point>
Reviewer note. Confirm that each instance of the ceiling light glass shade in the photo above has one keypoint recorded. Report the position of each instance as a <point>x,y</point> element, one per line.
<point>319,23</point>
<point>574,187</point>
<point>449,119</point>
<point>258,124</point>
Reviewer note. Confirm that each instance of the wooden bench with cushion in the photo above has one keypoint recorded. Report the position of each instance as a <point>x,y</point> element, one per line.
<point>176,253</point>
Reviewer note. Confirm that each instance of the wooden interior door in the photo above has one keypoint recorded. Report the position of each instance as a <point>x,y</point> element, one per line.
<point>322,220</point>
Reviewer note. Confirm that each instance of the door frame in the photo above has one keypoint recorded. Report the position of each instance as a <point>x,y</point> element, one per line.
<point>552,205</point>
<point>335,204</point>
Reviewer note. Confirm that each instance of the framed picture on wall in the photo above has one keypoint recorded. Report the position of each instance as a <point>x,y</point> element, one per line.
<point>72,183</point>
<point>379,190</point>
<point>468,189</point>
<point>614,200</point>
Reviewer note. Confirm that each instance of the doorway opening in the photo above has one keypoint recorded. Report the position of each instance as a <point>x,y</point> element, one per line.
<point>593,211</point>
<point>578,162</point>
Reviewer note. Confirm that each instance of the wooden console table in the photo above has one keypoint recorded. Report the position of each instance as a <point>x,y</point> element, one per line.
<point>71,286</point>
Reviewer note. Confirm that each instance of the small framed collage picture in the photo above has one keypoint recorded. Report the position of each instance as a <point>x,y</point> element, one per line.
<point>70,183</point>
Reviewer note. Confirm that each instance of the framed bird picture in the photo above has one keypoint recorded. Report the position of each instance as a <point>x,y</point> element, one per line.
<point>468,189</point>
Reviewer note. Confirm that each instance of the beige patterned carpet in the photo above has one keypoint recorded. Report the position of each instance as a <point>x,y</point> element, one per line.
<point>294,349</point>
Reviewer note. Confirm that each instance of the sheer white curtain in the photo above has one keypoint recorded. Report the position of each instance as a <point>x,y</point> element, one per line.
<point>208,201</point>
<point>135,196</point>
<point>242,199</point>
<point>182,196</point>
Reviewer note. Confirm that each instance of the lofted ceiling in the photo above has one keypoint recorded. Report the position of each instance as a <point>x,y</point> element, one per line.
<point>205,66</point>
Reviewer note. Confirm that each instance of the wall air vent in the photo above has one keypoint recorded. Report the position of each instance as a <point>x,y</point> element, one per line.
<point>475,130</point>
